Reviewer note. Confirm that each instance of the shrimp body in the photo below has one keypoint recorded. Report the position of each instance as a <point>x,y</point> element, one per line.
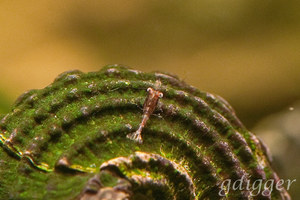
<point>148,108</point>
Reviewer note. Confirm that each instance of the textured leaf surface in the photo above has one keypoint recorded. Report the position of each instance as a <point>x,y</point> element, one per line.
<point>69,141</point>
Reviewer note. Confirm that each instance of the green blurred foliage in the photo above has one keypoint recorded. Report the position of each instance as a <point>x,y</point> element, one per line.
<point>5,103</point>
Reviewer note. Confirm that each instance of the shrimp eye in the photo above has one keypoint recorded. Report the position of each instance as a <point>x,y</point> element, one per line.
<point>160,95</point>
<point>149,89</point>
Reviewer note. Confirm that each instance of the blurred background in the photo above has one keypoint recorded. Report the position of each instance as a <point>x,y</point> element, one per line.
<point>245,51</point>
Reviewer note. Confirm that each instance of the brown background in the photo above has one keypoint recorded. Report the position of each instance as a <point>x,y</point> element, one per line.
<point>246,51</point>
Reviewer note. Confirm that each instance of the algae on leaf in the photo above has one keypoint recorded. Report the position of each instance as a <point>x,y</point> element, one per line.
<point>70,141</point>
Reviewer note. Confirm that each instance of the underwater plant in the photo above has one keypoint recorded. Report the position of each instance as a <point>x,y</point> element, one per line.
<point>123,134</point>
